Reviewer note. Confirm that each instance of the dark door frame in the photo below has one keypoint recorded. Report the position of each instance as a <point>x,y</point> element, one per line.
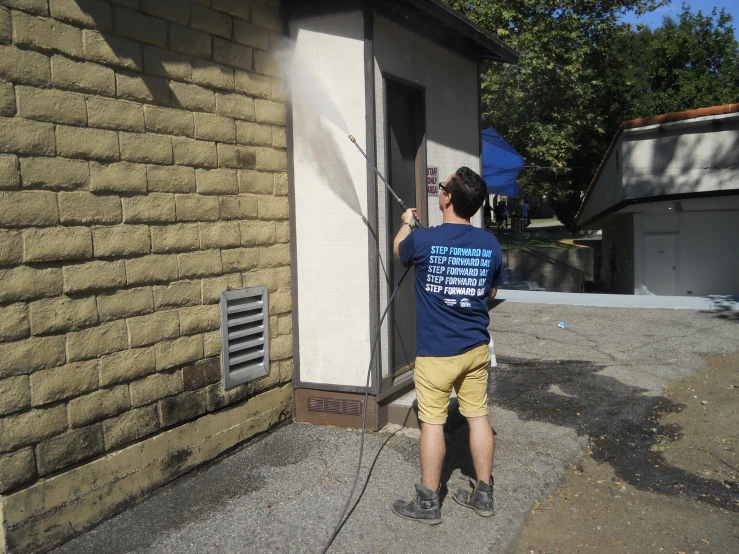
<point>390,384</point>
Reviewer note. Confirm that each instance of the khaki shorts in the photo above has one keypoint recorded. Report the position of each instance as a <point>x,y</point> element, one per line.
<point>467,373</point>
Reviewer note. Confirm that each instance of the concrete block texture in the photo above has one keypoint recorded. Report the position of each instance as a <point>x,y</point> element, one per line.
<point>14,322</point>
<point>127,365</point>
<point>21,136</point>
<point>16,469</point>
<point>150,329</point>
<point>51,105</point>
<point>24,66</point>
<point>23,429</point>
<point>69,380</point>
<point>62,314</point>
<point>15,394</point>
<point>120,177</point>
<point>177,294</point>
<point>69,448</point>
<point>148,465</point>
<point>55,173</point>
<point>10,178</point>
<point>84,13</point>
<point>120,240</point>
<point>32,208</point>
<point>142,173</point>
<point>82,76</point>
<point>114,114</point>
<point>112,50</point>
<point>46,34</point>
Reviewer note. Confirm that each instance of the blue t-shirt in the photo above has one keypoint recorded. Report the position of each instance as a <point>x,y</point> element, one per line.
<point>456,265</point>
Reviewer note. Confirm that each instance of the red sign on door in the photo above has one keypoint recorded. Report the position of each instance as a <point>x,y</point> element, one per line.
<point>432,181</point>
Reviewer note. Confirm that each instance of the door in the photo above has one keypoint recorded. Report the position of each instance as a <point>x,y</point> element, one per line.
<point>406,173</point>
<point>660,264</point>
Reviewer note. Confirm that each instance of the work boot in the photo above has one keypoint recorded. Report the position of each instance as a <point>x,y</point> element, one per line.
<point>479,498</point>
<point>425,507</point>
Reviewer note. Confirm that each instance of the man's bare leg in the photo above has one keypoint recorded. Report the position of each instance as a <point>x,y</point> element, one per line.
<point>482,446</point>
<point>433,450</point>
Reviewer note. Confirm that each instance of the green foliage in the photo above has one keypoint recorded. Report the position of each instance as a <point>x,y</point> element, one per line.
<point>581,72</point>
<point>688,63</point>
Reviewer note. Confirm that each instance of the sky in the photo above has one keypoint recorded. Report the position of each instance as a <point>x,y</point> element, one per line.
<point>654,19</point>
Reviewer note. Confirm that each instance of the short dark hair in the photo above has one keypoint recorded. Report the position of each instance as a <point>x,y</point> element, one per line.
<point>468,191</point>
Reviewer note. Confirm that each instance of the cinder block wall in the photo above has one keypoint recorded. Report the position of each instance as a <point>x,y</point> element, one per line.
<point>142,172</point>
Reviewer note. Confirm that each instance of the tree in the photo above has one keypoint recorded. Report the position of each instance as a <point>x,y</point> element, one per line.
<point>688,63</point>
<point>582,72</point>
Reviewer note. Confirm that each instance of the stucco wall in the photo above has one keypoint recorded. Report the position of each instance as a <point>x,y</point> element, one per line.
<point>330,179</point>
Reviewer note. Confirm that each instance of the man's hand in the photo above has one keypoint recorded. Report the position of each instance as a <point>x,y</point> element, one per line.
<point>410,217</point>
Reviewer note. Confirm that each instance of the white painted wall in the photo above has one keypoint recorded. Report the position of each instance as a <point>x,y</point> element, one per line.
<point>691,156</point>
<point>330,182</point>
<point>707,244</point>
<point>452,119</point>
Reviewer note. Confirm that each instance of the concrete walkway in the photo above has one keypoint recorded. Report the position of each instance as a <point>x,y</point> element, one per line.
<point>552,388</point>
<point>717,303</point>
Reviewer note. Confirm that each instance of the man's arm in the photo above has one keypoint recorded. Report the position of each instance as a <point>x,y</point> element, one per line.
<point>409,223</point>
<point>493,293</point>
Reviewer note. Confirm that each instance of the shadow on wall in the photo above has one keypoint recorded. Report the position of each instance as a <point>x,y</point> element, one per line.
<point>622,422</point>
<point>165,61</point>
<point>557,277</point>
<point>683,161</point>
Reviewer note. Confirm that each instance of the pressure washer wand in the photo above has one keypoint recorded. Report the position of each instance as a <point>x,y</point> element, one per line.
<point>389,188</point>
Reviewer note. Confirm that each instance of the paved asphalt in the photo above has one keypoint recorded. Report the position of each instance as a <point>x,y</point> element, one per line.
<point>554,388</point>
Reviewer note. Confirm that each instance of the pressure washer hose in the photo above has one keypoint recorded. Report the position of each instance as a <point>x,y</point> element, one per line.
<point>402,205</point>
<point>341,521</point>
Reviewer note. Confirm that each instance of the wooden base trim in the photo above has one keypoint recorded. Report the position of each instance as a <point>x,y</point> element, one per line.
<point>304,415</point>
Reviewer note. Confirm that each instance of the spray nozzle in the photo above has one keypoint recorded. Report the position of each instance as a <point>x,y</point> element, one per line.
<point>351,138</point>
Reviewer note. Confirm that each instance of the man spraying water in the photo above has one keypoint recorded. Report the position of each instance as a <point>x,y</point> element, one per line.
<point>457,268</point>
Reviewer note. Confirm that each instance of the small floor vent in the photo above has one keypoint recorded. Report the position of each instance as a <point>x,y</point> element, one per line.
<point>334,406</point>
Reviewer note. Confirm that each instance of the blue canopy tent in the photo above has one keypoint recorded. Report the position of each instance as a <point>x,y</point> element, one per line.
<point>501,164</point>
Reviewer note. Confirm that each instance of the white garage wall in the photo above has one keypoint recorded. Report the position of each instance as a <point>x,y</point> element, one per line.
<point>330,188</point>
<point>452,114</point>
<point>707,244</point>
<point>708,253</point>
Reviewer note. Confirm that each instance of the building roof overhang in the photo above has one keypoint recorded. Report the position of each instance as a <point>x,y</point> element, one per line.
<point>645,124</point>
<point>431,18</point>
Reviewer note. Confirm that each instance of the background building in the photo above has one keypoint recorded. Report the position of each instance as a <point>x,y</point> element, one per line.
<point>667,199</point>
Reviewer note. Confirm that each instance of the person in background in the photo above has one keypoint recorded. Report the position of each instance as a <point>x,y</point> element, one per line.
<point>458,267</point>
<point>525,213</point>
<point>488,212</point>
<point>505,215</point>
<point>499,215</point>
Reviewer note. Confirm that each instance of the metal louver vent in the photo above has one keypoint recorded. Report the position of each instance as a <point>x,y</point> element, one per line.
<point>334,406</point>
<point>244,335</point>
